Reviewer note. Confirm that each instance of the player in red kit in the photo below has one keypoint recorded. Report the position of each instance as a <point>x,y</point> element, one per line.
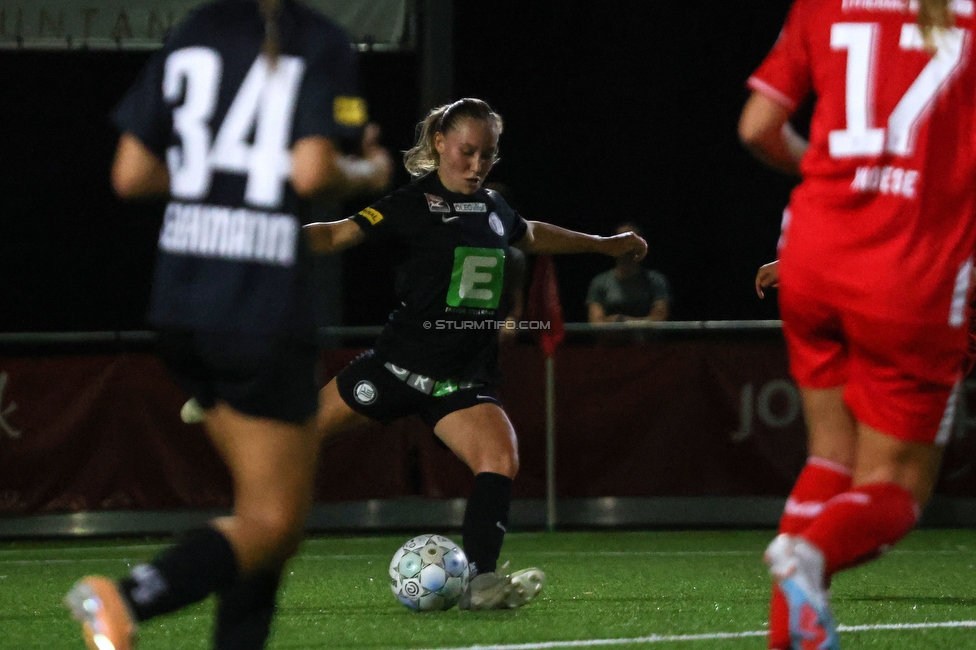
<point>874,273</point>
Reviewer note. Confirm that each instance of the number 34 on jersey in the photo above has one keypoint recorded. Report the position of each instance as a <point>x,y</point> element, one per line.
<point>264,108</point>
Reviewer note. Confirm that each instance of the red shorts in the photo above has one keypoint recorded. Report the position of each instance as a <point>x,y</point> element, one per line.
<point>898,378</point>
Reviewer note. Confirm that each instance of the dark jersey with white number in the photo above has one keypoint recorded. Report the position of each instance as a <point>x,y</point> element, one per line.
<point>210,104</point>
<point>450,283</point>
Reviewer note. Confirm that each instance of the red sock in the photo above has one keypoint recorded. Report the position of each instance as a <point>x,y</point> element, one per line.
<point>819,482</point>
<point>862,523</point>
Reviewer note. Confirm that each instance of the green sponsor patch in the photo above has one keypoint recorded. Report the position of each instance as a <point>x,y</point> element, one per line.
<point>476,280</point>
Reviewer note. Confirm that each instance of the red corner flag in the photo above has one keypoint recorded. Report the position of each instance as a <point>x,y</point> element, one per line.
<point>544,304</point>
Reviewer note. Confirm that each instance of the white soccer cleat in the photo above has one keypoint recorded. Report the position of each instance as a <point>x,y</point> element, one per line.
<point>498,591</point>
<point>798,567</point>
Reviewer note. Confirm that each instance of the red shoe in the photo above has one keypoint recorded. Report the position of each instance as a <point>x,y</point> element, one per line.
<point>106,622</point>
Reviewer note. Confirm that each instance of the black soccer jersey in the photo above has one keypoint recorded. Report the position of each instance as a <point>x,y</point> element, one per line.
<point>231,253</point>
<point>450,283</point>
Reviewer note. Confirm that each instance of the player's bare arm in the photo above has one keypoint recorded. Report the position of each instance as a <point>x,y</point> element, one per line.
<point>544,238</point>
<point>765,131</point>
<point>137,172</point>
<point>319,168</point>
<point>333,236</point>
<point>768,276</point>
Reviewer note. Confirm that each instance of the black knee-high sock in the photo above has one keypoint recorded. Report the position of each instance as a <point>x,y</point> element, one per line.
<point>486,520</point>
<point>245,611</point>
<point>198,564</point>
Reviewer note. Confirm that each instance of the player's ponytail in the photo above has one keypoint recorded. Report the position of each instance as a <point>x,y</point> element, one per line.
<point>423,157</point>
<point>270,9</point>
<point>933,15</point>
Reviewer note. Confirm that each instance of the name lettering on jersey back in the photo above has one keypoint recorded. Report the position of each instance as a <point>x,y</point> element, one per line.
<point>233,234</point>
<point>959,7</point>
<point>893,181</point>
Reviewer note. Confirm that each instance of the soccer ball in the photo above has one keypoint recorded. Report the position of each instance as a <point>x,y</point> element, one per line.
<point>429,572</point>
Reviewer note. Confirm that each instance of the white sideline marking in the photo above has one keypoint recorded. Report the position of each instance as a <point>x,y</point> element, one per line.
<point>717,636</point>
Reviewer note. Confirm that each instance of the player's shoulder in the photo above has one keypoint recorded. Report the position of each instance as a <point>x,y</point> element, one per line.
<point>220,13</point>
<point>202,22</point>
<point>804,13</point>
<point>496,197</point>
<point>315,20</point>
<point>809,7</point>
<point>410,199</point>
<point>319,31</point>
<point>497,203</point>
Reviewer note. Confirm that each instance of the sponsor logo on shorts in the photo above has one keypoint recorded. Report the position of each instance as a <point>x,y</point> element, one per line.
<point>470,207</point>
<point>372,216</point>
<point>437,204</point>
<point>365,392</point>
<point>496,224</point>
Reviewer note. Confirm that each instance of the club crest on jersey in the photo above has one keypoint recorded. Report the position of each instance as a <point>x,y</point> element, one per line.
<point>496,224</point>
<point>365,392</point>
<point>470,207</point>
<point>437,204</point>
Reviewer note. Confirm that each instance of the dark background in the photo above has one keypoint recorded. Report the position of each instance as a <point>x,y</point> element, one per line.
<point>617,111</point>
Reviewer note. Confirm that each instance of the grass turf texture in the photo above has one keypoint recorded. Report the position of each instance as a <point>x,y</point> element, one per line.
<point>602,586</point>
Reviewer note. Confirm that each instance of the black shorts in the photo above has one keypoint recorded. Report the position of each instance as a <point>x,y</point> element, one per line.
<point>384,392</point>
<point>263,376</point>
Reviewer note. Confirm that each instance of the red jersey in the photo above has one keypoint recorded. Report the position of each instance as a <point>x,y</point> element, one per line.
<point>883,221</point>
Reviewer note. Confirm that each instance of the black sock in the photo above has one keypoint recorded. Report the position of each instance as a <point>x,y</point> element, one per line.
<point>486,520</point>
<point>245,611</point>
<point>198,564</point>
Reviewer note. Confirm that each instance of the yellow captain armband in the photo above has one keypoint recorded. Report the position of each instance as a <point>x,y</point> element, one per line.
<point>350,111</point>
<point>372,216</point>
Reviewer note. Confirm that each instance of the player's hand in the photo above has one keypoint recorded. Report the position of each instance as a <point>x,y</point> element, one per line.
<point>768,276</point>
<point>378,157</point>
<point>627,243</point>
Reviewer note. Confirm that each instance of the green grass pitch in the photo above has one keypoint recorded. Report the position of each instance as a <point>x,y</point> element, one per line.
<point>688,589</point>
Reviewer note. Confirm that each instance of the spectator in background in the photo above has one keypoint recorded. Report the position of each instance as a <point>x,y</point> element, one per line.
<point>628,292</point>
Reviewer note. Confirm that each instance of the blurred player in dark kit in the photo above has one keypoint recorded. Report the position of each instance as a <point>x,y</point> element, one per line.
<point>236,119</point>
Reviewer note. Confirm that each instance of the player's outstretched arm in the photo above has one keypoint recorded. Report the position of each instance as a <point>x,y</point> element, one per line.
<point>546,239</point>
<point>326,237</point>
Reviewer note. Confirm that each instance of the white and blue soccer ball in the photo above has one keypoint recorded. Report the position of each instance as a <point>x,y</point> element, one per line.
<point>428,573</point>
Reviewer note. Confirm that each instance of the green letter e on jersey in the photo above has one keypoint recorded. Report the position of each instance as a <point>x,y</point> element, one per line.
<point>476,280</point>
